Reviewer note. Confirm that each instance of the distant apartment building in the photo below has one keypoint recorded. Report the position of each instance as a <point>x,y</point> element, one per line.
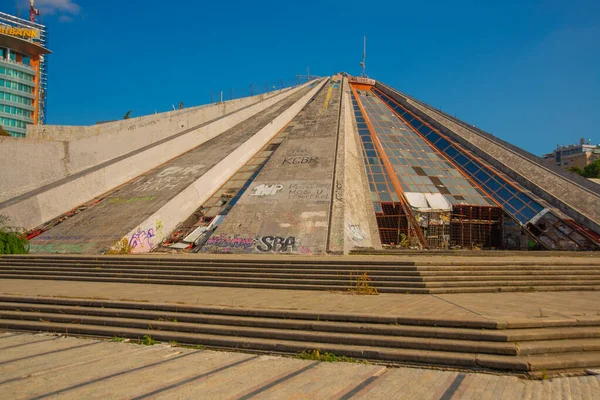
<point>23,74</point>
<point>573,155</point>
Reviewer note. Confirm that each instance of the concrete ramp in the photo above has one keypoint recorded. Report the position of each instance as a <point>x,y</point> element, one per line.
<point>122,213</point>
<point>287,207</point>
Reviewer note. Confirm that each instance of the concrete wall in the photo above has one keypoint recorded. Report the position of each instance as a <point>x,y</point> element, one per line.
<point>26,164</point>
<point>353,224</point>
<point>185,203</point>
<point>43,204</point>
<point>53,152</point>
<point>572,199</point>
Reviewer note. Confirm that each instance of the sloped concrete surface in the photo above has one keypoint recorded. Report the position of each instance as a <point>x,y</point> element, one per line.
<point>286,209</point>
<point>98,228</point>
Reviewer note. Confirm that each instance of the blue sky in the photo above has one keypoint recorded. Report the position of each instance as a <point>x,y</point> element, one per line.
<point>528,71</point>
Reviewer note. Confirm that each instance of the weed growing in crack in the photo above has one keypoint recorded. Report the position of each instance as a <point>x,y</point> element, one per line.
<point>325,357</point>
<point>148,341</point>
<point>361,285</point>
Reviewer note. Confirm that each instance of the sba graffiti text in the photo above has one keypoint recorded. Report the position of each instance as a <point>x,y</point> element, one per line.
<point>276,244</point>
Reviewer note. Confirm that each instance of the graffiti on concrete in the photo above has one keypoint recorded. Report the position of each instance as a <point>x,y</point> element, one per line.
<point>313,214</point>
<point>317,192</point>
<point>356,232</point>
<point>120,200</point>
<point>276,244</point>
<point>141,241</point>
<point>142,125</point>
<point>168,178</point>
<point>60,248</point>
<point>266,190</point>
<point>227,241</point>
<point>305,250</point>
<point>181,171</point>
<point>300,160</point>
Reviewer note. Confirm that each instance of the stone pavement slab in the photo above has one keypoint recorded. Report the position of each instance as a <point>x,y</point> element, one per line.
<point>103,369</point>
<point>537,306</point>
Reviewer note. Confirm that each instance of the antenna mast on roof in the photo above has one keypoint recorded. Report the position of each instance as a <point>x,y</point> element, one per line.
<point>363,64</point>
<point>33,12</point>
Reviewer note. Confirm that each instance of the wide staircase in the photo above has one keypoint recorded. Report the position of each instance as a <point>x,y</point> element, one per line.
<point>536,348</point>
<point>331,274</point>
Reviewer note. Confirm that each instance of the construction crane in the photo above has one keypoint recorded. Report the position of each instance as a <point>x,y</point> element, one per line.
<point>33,12</point>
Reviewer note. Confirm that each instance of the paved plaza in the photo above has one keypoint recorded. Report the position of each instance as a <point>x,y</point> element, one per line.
<point>45,366</point>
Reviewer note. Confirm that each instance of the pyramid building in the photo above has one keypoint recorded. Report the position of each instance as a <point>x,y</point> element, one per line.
<point>334,165</point>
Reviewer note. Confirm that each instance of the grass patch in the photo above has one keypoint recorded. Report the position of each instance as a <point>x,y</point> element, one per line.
<point>117,339</point>
<point>148,341</point>
<point>325,357</point>
<point>13,240</point>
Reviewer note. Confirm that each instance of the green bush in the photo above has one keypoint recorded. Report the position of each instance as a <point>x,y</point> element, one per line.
<point>12,240</point>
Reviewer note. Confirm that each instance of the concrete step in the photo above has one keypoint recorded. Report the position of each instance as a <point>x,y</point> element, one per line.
<point>158,260</point>
<point>331,281</point>
<point>282,274</point>
<point>405,342</point>
<point>292,273</point>
<point>461,346</point>
<point>483,325</point>
<point>335,281</point>
<point>588,329</point>
<point>382,287</point>
<point>317,268</point>
<point>507,283</point>
<point>516,363</point>
<point>313,261</point>
<point>216,283</point>
<point>410,275</point>
<point>496,289</point>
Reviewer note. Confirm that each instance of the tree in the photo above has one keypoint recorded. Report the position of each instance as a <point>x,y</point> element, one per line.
<point>592,170</point>
<point>576,170</point>
<point>3,131</point>
<point>128,114</point>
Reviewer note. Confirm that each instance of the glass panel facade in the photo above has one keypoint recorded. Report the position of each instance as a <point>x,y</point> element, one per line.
<point>420,167</point>
<point>379,181</point>
<point>516,203</point>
